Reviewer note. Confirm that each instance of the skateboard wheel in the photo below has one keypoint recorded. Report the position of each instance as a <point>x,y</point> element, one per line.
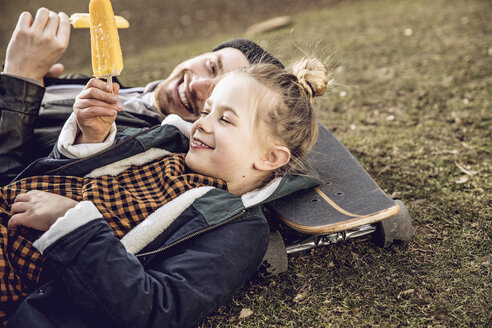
<point>275,260</point>
<point>396,228</point>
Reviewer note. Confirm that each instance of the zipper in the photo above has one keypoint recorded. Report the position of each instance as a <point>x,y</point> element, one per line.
<point>232,218</point>
<point>101,152</point>
<point>41,288</point>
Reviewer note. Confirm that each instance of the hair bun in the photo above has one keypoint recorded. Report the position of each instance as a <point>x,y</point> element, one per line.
<point>312,75</point>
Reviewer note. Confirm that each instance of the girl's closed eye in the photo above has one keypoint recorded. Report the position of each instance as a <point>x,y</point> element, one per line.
<point>226,120</point>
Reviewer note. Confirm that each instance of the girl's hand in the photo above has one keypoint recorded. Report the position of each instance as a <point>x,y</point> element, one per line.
<point>95,109</point>
<point>39,209</point>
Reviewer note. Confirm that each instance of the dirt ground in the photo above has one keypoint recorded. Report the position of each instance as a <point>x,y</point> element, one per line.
<point>156,22</point>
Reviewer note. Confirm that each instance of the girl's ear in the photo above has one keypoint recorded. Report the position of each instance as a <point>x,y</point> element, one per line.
<point>273,159</point>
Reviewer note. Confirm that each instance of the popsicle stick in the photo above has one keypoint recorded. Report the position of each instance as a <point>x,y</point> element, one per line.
<point>110,81</point>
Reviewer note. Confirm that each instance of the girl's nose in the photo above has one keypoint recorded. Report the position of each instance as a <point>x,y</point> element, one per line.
<point>203,124</point>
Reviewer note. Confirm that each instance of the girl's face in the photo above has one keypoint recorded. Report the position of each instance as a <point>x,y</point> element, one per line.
<point>224,142</point>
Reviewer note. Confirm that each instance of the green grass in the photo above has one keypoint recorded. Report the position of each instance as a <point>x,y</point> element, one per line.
<point>412,103</point>
<point>415,107</point>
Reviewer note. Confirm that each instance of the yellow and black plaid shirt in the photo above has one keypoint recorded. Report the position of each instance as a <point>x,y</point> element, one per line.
<point>124,201</point>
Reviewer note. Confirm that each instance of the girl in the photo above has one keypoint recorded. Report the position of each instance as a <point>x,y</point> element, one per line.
<point>99,263</point>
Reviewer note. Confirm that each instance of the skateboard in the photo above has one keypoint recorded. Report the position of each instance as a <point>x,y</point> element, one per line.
<point>347,204</point>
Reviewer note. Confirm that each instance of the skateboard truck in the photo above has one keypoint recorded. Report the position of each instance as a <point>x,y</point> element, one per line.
<point>395,228</point>
<point>332,238</point>
<point>276,260</point>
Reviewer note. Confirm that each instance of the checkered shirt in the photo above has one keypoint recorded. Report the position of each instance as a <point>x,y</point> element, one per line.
<point>124,201</point>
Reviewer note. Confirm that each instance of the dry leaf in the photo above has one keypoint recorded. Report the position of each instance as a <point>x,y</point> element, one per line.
<point>463,179</point>
<point>405,293</point>
<point>269,25</point>
<point>245,312</point>
<point>300,297</point>
<point>464,170</point>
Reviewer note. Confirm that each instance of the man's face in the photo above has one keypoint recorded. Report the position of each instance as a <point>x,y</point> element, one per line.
<point>185,91</point>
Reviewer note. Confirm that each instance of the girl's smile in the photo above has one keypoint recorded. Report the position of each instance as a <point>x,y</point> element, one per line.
<point>195,143</point>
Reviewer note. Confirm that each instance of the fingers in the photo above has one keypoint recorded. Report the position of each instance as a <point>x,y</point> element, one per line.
<point>41,19</point>
<point>90,108</point>
<point>97,94</point>
<point>98,89</point>
<point>97,101</point>
<point>58,29</point>
<point>18,220</point>
<point>64,28</point>
<point>25,21</point>
<point>56,70</point>
<point>19,207</point>
<point>22,198</point>
<point>102,85</point>
<point>116,88</point>
<point>52,24</point>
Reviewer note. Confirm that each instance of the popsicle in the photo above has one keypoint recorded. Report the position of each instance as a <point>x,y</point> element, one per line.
<point>107,59</point>
<point>82,20</point>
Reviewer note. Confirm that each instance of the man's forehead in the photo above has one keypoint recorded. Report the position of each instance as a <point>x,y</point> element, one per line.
<point>230,59</point>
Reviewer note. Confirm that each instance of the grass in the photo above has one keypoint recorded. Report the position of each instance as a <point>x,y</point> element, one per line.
<point>412,103</point>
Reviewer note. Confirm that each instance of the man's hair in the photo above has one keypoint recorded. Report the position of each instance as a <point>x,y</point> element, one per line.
<point>253,52</point>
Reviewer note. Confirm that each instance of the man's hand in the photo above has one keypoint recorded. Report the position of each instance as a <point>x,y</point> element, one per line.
<point>95,109</point>
<point>36,45</point>
<point>39,209</point>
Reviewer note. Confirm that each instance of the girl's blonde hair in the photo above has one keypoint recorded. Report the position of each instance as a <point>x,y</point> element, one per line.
<point>290,119</point>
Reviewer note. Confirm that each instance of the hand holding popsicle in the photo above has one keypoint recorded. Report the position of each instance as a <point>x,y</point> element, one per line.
<point>97,105</point>
<point>96,108</point>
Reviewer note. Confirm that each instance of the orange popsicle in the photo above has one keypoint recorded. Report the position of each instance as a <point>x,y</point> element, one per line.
<point>107,59</point>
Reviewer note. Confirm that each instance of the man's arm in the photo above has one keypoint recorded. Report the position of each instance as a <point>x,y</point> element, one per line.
<point>32,52</point>
<point>19,107</point>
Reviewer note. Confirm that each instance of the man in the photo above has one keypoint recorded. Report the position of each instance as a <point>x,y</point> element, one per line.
<point>35,103</point>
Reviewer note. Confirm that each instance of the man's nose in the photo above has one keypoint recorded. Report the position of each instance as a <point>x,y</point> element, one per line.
<point>201,87</point>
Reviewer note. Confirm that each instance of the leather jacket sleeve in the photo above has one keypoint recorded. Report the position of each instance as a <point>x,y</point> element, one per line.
<point>20,101</point>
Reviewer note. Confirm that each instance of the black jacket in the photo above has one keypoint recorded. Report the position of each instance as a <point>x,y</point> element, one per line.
<point>29,127</point>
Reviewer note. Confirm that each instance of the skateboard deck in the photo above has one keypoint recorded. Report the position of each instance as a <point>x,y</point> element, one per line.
<point>346,198</point>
